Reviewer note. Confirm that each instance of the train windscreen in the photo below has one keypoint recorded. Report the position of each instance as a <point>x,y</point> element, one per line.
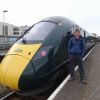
<point>38,32</point>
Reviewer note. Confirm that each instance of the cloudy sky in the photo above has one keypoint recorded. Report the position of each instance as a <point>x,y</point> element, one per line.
<point>26,12</point>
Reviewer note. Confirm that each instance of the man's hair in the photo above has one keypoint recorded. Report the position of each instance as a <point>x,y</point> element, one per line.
<point>77,30</point>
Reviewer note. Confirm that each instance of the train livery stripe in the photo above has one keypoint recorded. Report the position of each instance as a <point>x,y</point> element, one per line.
<point>26,50</point>
<point>14,64</point>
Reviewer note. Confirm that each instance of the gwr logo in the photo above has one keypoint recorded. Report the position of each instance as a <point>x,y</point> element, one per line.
<point>18,50</point>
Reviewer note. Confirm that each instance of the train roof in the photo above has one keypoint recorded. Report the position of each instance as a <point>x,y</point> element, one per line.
<point>58,20</point>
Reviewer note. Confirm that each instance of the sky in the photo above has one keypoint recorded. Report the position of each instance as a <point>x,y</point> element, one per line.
<point>27,12</point>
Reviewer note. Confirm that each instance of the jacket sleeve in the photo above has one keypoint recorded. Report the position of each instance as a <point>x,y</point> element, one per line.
<point>83,48</point>
<point>69,47</point>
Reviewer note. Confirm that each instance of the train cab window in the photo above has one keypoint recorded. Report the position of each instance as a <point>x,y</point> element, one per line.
<point>39,32</point>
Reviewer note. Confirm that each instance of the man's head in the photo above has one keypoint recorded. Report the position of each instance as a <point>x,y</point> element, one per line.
<point>77,33</point>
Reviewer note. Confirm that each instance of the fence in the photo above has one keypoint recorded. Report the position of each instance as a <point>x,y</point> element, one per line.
<point>7,41</point>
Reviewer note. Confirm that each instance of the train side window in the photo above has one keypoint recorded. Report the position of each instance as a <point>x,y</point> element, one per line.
<point>82,32</point>
<point>67,38</point>
<point>68,35</point>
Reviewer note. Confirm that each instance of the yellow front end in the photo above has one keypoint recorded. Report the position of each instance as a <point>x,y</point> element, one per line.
<point>15,62</point>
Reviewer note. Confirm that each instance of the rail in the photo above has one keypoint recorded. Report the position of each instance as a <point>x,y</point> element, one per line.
<point>7,41</point>
<point>6,96</point>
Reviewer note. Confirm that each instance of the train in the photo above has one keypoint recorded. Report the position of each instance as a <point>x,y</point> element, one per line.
<point>35,60</point>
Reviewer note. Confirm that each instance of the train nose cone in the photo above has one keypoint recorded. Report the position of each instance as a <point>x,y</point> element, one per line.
<point>15,62</point>
<point>11,69</point>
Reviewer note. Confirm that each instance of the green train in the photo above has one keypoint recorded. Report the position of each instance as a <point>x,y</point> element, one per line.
<point>34,62</point>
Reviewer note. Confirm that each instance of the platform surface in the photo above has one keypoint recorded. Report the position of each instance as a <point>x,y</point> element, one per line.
<point>76,90</point>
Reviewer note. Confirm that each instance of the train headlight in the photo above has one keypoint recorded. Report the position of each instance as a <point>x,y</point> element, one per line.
<point>43,52</point>
<point>42,56</point>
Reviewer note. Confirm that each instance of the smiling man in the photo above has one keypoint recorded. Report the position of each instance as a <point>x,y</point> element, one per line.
<point>76,50</point>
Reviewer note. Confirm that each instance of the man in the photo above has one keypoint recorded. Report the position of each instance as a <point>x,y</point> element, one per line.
<point>76,49</point>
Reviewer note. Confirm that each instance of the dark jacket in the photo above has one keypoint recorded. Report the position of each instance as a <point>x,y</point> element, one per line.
<point>77,46</point>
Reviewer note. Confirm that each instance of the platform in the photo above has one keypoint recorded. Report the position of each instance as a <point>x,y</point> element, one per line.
<point>76,90</point>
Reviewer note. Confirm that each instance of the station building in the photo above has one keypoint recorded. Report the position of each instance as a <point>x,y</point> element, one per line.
<point>11,30</point>
<point>10,33</point>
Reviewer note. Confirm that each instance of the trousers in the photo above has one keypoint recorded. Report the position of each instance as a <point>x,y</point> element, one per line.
<point>76,60</point>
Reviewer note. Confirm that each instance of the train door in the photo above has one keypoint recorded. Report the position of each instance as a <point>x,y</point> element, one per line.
<point>67,37</point>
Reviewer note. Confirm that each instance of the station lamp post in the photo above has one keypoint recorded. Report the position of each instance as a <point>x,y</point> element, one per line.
<point>4,20</point>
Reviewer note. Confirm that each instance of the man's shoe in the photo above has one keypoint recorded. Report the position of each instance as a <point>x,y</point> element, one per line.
<point>84,81</point>
<point>71,79</point>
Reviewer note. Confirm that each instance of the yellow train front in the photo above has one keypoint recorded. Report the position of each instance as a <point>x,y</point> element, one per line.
<point>34,61</point>
<point>16,65</point>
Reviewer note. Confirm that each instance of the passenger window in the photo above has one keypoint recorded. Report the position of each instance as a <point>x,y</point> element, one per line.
<point>82,32</point>
<point>68,35</point>
<point>67,38</point>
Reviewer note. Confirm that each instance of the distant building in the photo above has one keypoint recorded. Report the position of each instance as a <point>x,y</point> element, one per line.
<point>11,30</point>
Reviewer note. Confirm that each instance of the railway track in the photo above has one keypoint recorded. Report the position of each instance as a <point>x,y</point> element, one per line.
<point>14,96</point>
<point>5,96</point>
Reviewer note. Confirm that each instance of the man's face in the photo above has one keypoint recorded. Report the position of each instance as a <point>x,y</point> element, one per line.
<point>77,34</point>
